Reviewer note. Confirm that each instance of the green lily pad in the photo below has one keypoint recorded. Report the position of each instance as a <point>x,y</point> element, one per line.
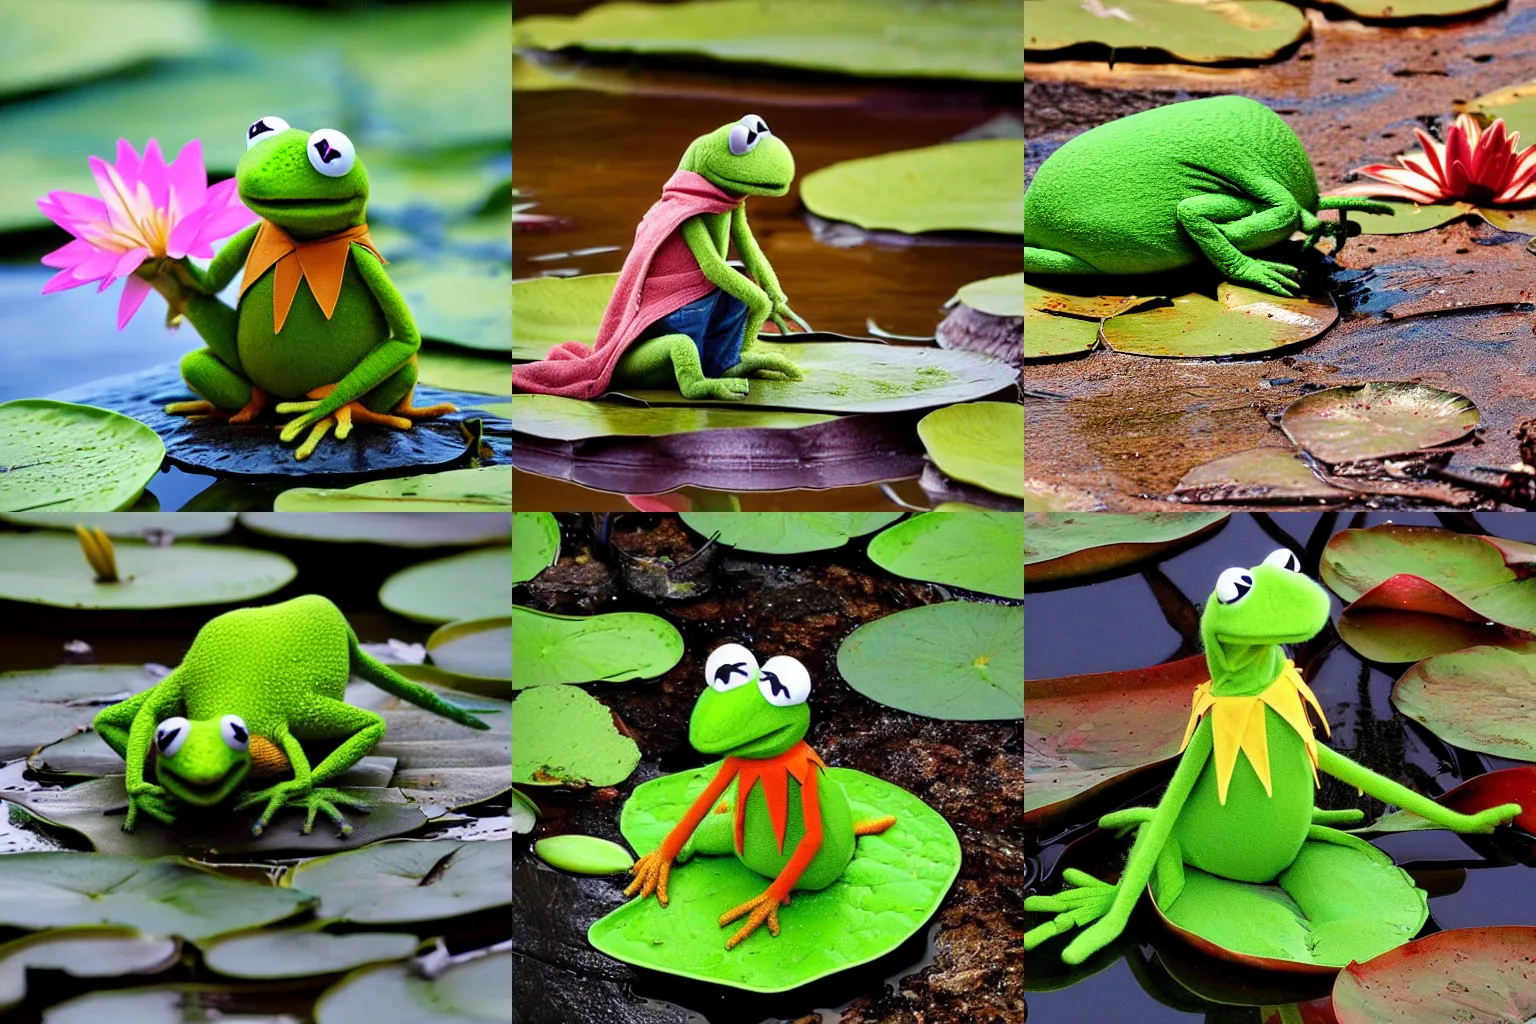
<point>1068,545</point>
<point>1465,974</point>
<point>130,524</point>
<point>1201,33</point>
<point>549,310</point>
<point>163,1004</point>
<point>1259,474</point>
<point>562,736</point>
<point>1516,104</point>
<point>584,855</point>
<point>462,371</point>
<point>1407,218</point>
<point>535,544</point>
<point>975,40</point>
<point>476,991</point>
<point>998,296</point>
<point>400,882</point>
<point>1407,10</point>
<point>981,551</point>
<point>458,300</point>
<point>957,186</point>
<point>40,706</point>
<point>567,419</point>
<point>958,660</point>
<point>1482,698</point>
<point>1506,218</point>
<point>476,647</point>
<point>73,458</point>
<point>1049,335</point>
<point>302,953</point>
<point>892,886</point>
<point>1239,321</point>
<point>47,47</point>
<point>163,897</point>
<point>525,813</point>
<point>48,568</point>
<point>457,490</point>
<point>1377,419</point>
<point>551,649</point>
<point>779,533</point>
<point>979,443</point>
<point>474,585</point>
<point>82,953</point>
<point>420,530</point>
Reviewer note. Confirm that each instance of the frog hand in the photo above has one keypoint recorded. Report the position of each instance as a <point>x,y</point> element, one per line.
<point>1084,901</point>
<point>760,908</point>
<point>1484,822</point>
<point>153,800</point>
<point>296,794</point>
<point>781,310</point>
<point>651,873</point>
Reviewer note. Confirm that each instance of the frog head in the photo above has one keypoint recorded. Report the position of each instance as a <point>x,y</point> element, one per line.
<point>310,184</point>
<point>1250,613</point>
<point>202,761</point>
<point>747,710</point>
<point>743,158</point>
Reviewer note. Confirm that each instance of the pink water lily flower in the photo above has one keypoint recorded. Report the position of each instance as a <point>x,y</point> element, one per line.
<point>1483,166</point>
<point>147,211</point>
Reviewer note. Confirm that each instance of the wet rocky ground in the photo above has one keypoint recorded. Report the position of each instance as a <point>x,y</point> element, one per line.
<point>964,968</point>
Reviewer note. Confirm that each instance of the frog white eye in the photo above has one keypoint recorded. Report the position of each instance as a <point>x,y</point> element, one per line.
<point>746,133</point>
<point>330,152</point>
<point>1284,558</point>
<point>729,666</point>
<point>236,735</point>
<point>784,681</point>
<point>262,127</point>
<point>1233,585</point>
<point>170,735</point>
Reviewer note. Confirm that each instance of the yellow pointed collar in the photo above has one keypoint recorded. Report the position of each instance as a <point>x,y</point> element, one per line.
<point>1237,724</point>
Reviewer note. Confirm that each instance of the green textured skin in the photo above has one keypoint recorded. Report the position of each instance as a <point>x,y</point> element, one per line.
<point>283,669</point>
<point>1255,838</point>
<point>672,358</point>
<point>1203,180</point>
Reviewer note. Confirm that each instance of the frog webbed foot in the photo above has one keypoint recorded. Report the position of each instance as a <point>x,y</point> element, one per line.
<point>402,417</point>
<point>761,908</point>
<point>204,409</point>
<point>312,800</point>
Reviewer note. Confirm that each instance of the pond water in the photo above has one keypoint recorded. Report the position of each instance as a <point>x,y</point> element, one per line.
<point>1471,884</point>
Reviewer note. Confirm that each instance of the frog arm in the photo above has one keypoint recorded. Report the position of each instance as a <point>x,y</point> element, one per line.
<point>761,269</point>
<point>1384,789</point>
<point>226,261</point>
<point>651,871</point>
<point>720,274</point>
<point>1220,225</point>
<point>764,907</point>
<point>160,703</point>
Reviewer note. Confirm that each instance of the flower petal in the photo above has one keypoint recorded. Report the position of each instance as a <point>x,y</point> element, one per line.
<point>69,254</point>
<point>189,178</point>
<point>135,289</point>
<point>63,280</point>
<point>127,162</point>
<point>152,173</point>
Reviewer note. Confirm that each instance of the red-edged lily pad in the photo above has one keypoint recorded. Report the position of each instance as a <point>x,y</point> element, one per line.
<point>1067,545</point>
<point>1483,698</point>
<point>1479,793</point>
<point>1466,975</point>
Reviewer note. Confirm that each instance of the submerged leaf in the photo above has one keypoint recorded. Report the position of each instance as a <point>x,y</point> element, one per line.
<point>535,544</point>
<point>979,443</point>
<point>474,585</point>
<point>957,186</point>
<point>1068,545</point>
<point>562,736</point>
<point>64,457</point>
<point>1377,419</point>
<point>981,551</point>
<point>779,533</point>
<point>1202,33</point>
<point>551,649</point>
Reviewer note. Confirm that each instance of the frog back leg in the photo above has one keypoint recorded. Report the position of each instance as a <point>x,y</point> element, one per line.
<point>761,851</point>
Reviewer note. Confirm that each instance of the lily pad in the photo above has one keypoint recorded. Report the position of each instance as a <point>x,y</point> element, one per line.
<point>778,533</point>
<point>476,991</point>
<point>979,443</point>
<point>1049,335</point>
<point>474,585</point>
<point>400,882</point>
<point>957,660</point>
<point>1477,794</point>
<point>1407,218</point>
<point>41,706</point>
<point>892,886</point>
<point>47,47</point>
<point>1258,474</point>
<point>1201,33</point>
<point>957,186</point>
<point>1482,698</point>
<point>535,544</point>
<point>567,419</point>
<point>420,530</point>
<point>525,813</point>
<point>975,40</point>
<point>48,568</point>
<point>551,649</point>
<point>65,457</point>
<point>584,855</point>
<point>1516,104</point>
<point>1408,10</point>
<point>997,296</point>
<point>549,310</point>
<point>1377,419</point>
<point>455,491</point>
<point>1239,321</point>
<point>302,953</point>
<point>442,367</point>
<point>458,301</point>
<point>1480,975</point>
<point>163,897</point>
<point>1390,636</point>
<point>562,736</point>
<point>1068,545</point>
<point>980,551</point>
<point>130,524</point>
<point>82,953</point>
<point>163,1004</point>
<point>475,647</point>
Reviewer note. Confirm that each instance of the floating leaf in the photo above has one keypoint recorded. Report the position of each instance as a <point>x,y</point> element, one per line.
<point>472,992</point>
<point>48,568</point>
<point>163,1004</point>
<point>81,953</point>
<point>567,419</point>
<point>73,39</point>
<point>1477,794</point>
<point>778,533</point>
<point>39,707</point>
<point>1042,496</point>
<point>399,882</point>
<point>957,660</point>
<point>1408,10</point>
<point>1516,104</point>
<point>525,813</point>
<point>459,371</point>
<point>549,310</point>
<point>1407,218</point>
<point>420,530</point>
<point>474,585</point>
<point>1239,321</point>
<point>1506,218</point>
<point>1397,637</point>
<point>998,296</point>
<point>975,40</point>
<point>561,736</point>
<point>296,953</point>
<point>957,186</point>
<point>130,524</point>
<point>979,443</point>
<point>1480,975</point>
<point>892,886</point>
<point>551,649</point>
<point>1201,33</point>
<point>1377,419</point>
<point>1067,545</point>
<point>584,855</point>
<point>455,491</point>
<point>1483,698</point>
<point>476,647</point>
<point>459,301</point>
<point>64,457</point>
<point>535,544</point>
<point>1047,335</point>
<point>981,551</point>
<point>1258,474</point>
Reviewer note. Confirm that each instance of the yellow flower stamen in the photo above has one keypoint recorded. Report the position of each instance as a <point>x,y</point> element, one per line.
<point>99,553</point>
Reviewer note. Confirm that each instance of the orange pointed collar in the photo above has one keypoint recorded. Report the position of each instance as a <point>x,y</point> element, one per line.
<point>321,262</point>
<point>774,772</point>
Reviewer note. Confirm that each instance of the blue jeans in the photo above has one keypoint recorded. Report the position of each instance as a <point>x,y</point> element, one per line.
<point>716,323</point>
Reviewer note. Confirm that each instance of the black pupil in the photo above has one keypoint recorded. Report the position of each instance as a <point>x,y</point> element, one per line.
<point>167,736</point>
<point>778,688</point>
<point>327,151</point>
<point>258,128</point>
<point>238,730</point>
<point>723,673</point>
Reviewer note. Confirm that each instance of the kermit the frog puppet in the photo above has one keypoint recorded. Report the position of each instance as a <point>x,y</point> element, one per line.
<point>1240,805</point>
<point>319,329</point>
<point>679,315</point>
<point>790,822</point>
<point>255,687</point>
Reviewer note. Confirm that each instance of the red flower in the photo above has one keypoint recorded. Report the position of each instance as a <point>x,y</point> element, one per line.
<point>1483,166</point>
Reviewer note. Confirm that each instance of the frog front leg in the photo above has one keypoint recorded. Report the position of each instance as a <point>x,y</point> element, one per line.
<point>1384,789</point>
<point>651,871</point>
<point>1222,226</point>
<point>129,729</point>
<point>1049,261</point>
<point>762,272</point>
<point>329,718</point>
